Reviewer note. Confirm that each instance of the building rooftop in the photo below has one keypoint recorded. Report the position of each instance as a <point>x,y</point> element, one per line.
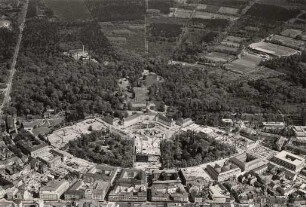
<point>76,186</point>
<point>227,166</point>
<point>289,157</point>
<point>132,175</point>
<point>218,190</point>
<point>273,123</point>
<point>191,174</point>
<point>300,131</point>
<point>53,185</point>
<point>31,146</point>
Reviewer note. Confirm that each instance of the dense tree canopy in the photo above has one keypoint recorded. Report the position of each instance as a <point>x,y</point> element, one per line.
<point>103,147</point>
<point>190,149</point>
<point>48,78</point>
<point>207,97</point>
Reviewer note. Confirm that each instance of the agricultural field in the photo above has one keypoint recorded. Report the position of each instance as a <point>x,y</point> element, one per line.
<point>208,15</point>
<point>246,64</point>
<point>263,73</point>
<point>128,35</point>
<point>239,4</point>
<point>218,57</point>
<point>163,33</point>
<point>183,13</point>
<point>285,3</point>
<point>161,49</point>
<point>69,10</point>
<point>162,5</point>
<point>165,30</point>
<point>255,28</point>
<point>210,24</point>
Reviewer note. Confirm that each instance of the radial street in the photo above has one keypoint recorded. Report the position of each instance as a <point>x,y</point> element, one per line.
<point>6,97</point>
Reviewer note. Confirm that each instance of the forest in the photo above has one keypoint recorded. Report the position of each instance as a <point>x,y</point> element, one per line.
<point>47,78</point>
<point>103,147</point>
<point>116,10</point>
<point>191,149</point>
<point>272,12</point>
<point>208,97</point>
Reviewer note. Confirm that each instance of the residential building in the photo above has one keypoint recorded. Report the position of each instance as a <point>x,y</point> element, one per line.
<point>97,191</point>
<point>164,120</point>
<point>190,176</point>
<point>33,149</point>
<point>11,193</point>
<point>168,192</point>
<point>165,176</point>
<point>131,186</point>
<point>133,119</point>
<point>184,122</point>
<point>299,132</point>
<point>128,193</point>
<point>289,161</point>
<point>219,194</point>
<point>101,172</point>
<point>50,160</point>
<point>225,172</point>
<point>76,191</point>
<point>260,170</point>
<point>273,125</point>
<point>53,190</point>
<point>132,176</point>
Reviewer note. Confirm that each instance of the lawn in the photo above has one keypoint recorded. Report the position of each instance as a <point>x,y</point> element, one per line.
<point>69,10</point>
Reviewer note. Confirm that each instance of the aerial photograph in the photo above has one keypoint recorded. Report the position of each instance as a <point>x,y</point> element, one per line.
<point>152,103</point>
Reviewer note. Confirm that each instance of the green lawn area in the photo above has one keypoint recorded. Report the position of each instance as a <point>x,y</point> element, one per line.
<point>69,10</point>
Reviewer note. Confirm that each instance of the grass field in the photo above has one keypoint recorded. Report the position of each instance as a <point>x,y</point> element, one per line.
<point>69,10</point>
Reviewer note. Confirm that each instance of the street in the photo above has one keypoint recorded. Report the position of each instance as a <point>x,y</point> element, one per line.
<point>8,90</point>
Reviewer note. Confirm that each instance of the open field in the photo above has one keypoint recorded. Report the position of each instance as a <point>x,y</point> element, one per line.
<point>263,73</point>
<point>69,10</point>
<point>239,4</point>
<point>218,57</point>
<point>287,41</point>
<point>273,49</point>
<point>247,63</point>
<point>183,13</point>
<point>207,15</point>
